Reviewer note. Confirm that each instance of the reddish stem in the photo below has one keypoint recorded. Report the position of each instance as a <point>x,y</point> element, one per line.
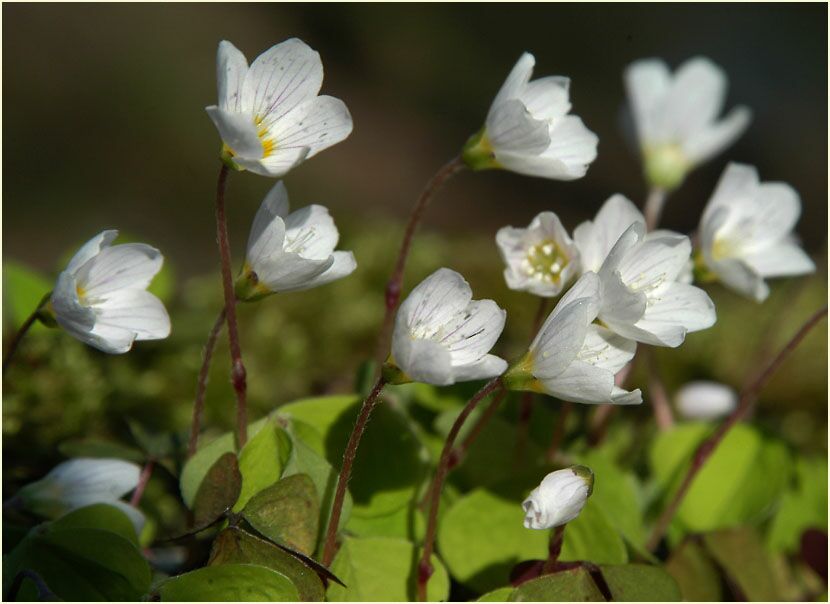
<point>708,447</point>
<point>657,392</point>
<point>559,430</point>
<point>12,348</point>
<point>554,549</point>
<point>526,408</point>
<point>143,479</point>
<point>393,286</point>
<point>201,384</point>
<point>346,471</point>
<point>238,377</point>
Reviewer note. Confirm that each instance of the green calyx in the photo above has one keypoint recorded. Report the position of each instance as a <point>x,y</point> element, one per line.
<point>519,376</point>
<point>45,313</point>
<point>701,271</point>
<point>665,166</point>
<point>226,155</point>
<point>586,474</point>
<point>248,287</point>
<point>392,374</point>
<point>478,153</point>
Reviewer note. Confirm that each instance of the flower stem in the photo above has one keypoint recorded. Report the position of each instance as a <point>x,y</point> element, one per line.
<point>526,408</point>
<point>654,207</point>
<point>554,549</point>
<point>657,392</point>
<point>559,430</point>
<point>237,367</point>
<point>346,470</point>
<point>24,329</point>
<point>393,286</point>
<point>143,479</point>
<point>425,566</point>
<point>201,384</point>
<point>708,447</point>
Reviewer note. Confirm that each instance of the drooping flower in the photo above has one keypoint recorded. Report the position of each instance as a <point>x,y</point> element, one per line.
<point>746,232</point>
<point>541,259</point>
<point>101,297</point>
<point>705,400</point>
<point>594,239</point>
<point>269,115</point>
<point>644,297</point>
<point>559,498</point>
<point>676,116</point>
<point>291,252</point>
<point>529,131</point>
<point>572,358</point>
<point>443,336</point>
<point>80,482</point>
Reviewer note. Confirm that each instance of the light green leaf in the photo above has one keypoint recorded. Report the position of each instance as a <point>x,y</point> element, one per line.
<point>382,569</point>
<point>98,516</point>
<point>640,583</point>
<point>230,583</point>
<point>695,573</point>
<point>502,594</point>
<point>592,537</point>
<point>803,506</point>
<point>742,555</point>
<point>262,461</point>
<point>321,413</point>
<point>567,586</point>
<point>23,289</point>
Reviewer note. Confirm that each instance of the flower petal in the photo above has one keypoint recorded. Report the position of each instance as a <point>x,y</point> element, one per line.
<point>133,310</point>
<point>311,232</point>
<point>581,382</point>
<point>766,218</point>
<point>695,99</point>
<point>785,259</point>
<point>91,249</point>
<point>737,275</point>
<point>344,265</point>
<point>470,335</point>
<point>488,366</point>
<point>231,68</point>
<point>280,79</point>
<point>277,164</point>
<point>268,229</point>
<point>316,125</point>
<point>238,131</point>
<point>605,349</point>
<point>647,82</point>
<point>511,129</point>
<point>69,313</point>
<point>516,81</point>
<point>129,265</point>
<point>710,141</point>
<point>654,261</point>
<point>595,239</point>
<point>679,309</point>
<point>434,302</point>
<point>560,339</point>
<point>283,271</point>
<point>422,360</point>
<point>547,98</point>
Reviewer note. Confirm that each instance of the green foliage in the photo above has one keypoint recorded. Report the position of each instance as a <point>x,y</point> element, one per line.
<point>287,513</point>
<point>695,573</point>
<point>803,506</point>
<point>23,289</point>
<point>593,537</point>
<point>262,461</point>
<point>567,586</point>
<point>640,583</point>
<point>229,583</point>
<point>218,491</point>
<point>383,569</point>
<point>742,555</point>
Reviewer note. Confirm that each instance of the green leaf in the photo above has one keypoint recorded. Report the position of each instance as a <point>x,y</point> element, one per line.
<point>287,512</point>
<point>592,537</point>
<point>230,583</point>
<point>99,448</point>
<point>405,523</point>
<point>695,573</point>
<point>382,569</point>
<point>742,555</point>
<point>321,413</point>
<point>81,564</point>
<point>566,586</point>
<point>640,583</point>
<point>197,466</point>
<point>218,491</point>
<point>23,289</point>
<point>233,545</point>
<point>740,482</point>
<point>481,538</point>
<point>502,594</point>
<point>98,516</point>
<point>155,445</point>
<point>803,506</point>
<point>262,460</point>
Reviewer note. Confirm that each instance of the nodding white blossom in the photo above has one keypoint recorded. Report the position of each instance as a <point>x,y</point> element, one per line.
<point>541,259</point>
<point>443,336</point>
<point>269,115</point>
<point>594,239</point>
<point>572,358</point>
<point>644,296</point>
<point>291,252</point>
<point>746,232</point>
<point>676,116</point>
<point>101,297</point>
<point>705,400</point>
<point>529,131</point>
<point>81,482</point>
<point>559,498</point>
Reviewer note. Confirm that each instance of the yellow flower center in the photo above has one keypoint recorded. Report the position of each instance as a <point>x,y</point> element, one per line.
<point>545,261</point>
<point>269,145</point>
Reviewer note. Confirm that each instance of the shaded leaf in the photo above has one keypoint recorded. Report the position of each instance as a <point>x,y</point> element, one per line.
<point>287,513</point>
<point>574,585</point>
<point>230,583</point>
<point>99,516</point>
<point>695,573</point>
<point>99,448</point>
<point>218,492</point>
<point>742,555</point>
<point>640,583</point>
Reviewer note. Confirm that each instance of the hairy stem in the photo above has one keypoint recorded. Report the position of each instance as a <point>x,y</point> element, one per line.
<point>425,566</point>
<point>657,392</point>
<point>201,384</point>
<point>393,286</point>
<point>237,367</point>
<point>18,337</point>
<point>554,549</point>
<point>708,447</point>
<point>346,470</point>
<point>654,208</point>
<point>143,479</point>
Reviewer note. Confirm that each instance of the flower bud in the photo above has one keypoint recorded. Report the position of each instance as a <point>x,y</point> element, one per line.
<point>705,400</point>
<point>559,498</point>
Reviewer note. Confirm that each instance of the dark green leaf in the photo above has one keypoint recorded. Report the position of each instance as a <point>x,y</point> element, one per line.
<point>155,445</point>
<point>98,516</point>
<point>695,573</point>
<point>92,447</point>
<point>230,583</point>
<point>287,512</point>
<point>741,553</point>
<point>574,585</point>
<point>236,546</point>
<point>218,492</point>
<point>640,583</point>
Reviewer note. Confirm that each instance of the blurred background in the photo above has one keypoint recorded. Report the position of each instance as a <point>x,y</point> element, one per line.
<point>103,109</point>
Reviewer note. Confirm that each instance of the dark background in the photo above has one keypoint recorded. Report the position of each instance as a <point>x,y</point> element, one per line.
<point>105,127</point>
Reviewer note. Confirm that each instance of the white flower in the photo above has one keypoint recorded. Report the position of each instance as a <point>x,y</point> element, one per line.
<point>705,400</point>
<point>291,252</point>
<point>443,336</point>
<point>559,498</point>
<point>676,116</point>
<point>643,296</point>
<point>528,129</point>
<point>101,297</point>
<point>81,482</point>
<point>573,359</point>
<point>269,115</point>
<point>594,239</point>
<point>541,259</point>
<point>746,232</point>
